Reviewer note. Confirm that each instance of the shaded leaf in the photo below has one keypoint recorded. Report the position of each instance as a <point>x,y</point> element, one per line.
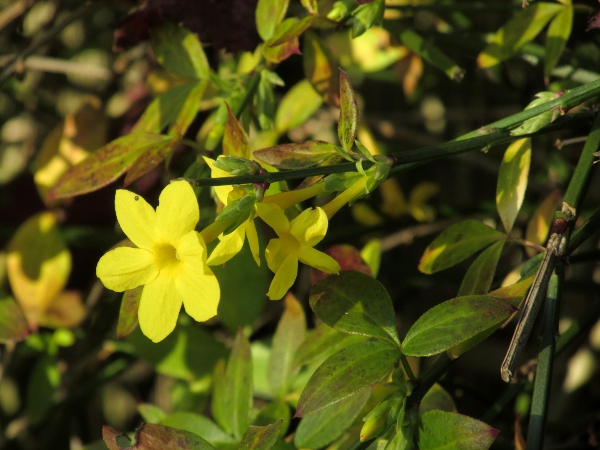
<point>478,278</point>
<point>352,369</point>
<point>13,324</point>
<point>320,69</point>
<point>234,396</point>
<point>325,426</point>
<point>538,226</point>
<point>156,437</point>
<point>437,398</point>
<point>347,256</point>
<point>444,430</point>
<point>281,52</point>
<point>147,161</point>
<point>297,106</point>
<point>269,14</point>
<point>107,164</point>
<point>265,101</point>
<point>322,342</point>
<point>38,264</point>
<point>367,15</point>
<point>66,310</point>
<point>297,156</point>
<point>235,139</point>
<point>261,438</point>
<point>45,379</point>
<point>355,303</point>
<point>432,54</point>
<point>456,244</point>
<point>453,322</point>
<point>202,426</point>
<point>512,181</point>
<point>128,312</point>
<point>348,113</point>
<point>189,110</point>
<point>520,29</point>
<point>286,341</point>
<point>557,36</point>
<point>179,51</point>
<point>289,29</point>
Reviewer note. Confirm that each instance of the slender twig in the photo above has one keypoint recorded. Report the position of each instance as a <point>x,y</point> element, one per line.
<point>56,65</point>
<point>14,10</point>
<point>45,38</point>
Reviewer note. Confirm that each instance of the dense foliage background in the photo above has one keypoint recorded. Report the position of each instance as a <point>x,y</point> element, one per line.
<point>97,96</point>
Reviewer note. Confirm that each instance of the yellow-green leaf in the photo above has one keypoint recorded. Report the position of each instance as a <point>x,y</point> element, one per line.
<point>269,14</point>
<point>297,156</point>
<point>557,37</point>
<point>297,106</point>
<point>512,181</point>
<point>179,51</point>
<point>235,139</point>
<point>478,278</point>
<point>13,324</point>
<point>348,113</point>
<point>538,226</point>
<point>320,69</point>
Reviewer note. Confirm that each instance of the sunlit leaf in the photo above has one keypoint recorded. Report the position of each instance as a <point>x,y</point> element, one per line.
<point>128,312</point>
<point>320,69</point>
<point>323,427</point>
<point>352,369</point>
<point>557,36</point>
<point>297,106</point>
<point>512,181</point>
<point>348,113</point>
<point>452,322</point>
<point>147,161</point>
<point>38,264</point>
<point>297,156</point>
<point>355,303</point>
<point>13,324</point>
<point>432,54</point>
<point>286,341</point>
<point>269,14</point>
<point>538,226</point>
<point>443,430</point>
<point>235,139</point>
<point>179,51</point>
<point>66,310</point>
<point>456,244</point>
<point>289,29</point>
<point>150,413</point>
<point>202,426</point>
<point>525,25</point>
<point>188,110</point>
<point>261,438</point>
<point>478,278</point>
<point>107,164</point>
<point>156,437</point>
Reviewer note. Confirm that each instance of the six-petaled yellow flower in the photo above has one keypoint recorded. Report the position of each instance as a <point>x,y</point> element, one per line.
<point>169,261</point>
<point>295,242</point>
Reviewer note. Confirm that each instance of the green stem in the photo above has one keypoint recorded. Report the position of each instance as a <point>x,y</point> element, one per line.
<point>543,375</point>
<point>407,369</point>
<point>584,232</point>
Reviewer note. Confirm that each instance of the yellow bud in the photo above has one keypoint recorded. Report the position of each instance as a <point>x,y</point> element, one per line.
<point>372,428</point>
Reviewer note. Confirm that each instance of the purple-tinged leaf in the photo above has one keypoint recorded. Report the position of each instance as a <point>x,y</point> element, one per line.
<point>443,430</point>
<point>13,324</point>
<point>261,438</point>
<point>297,156</point>
<point>128,313</point>
<point>235,139</point>
<point>156,437</point>
<point>348,113</point>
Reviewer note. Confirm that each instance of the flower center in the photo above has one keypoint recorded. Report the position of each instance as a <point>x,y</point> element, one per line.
<point>166,256</point>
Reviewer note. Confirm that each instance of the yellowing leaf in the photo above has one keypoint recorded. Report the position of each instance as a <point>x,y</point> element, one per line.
<point>235,140</point>
<point>320,69</point>
<point>66,310</point>
<point>556,38</point>
<point>38,265</point>
<point>297,106</point>
<point>538,226</point>
<point>512,181</point>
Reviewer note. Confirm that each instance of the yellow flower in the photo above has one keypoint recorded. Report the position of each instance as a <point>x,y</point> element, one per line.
<point>295,243</point>
<point>170,260</point>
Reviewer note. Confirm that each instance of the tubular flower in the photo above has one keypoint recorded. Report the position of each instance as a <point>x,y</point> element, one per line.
<point>169,261</point>
<point>295,243</point>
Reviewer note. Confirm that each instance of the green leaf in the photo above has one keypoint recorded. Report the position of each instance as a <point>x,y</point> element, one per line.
<point>514,293</point>
<point>348,113</point>
<point>289,30</point>
<point>13,324</point>
<point>156,437</point>
<point>320,68</point>
<point>272,412</point>
<point>525,25</point>
<point>150,413</point>
<point>128,313</point>
<point>478,278</point>
<point>456,244</point>
<point>512,181</point>
<point>444,430</point>
<point>286,341</point>
<point>437,398</point>
<point>432,55</point>
<point>352,369</point>
<point>235,139</point>
<point>541,120</point>
<point>367,15</point>
<point>189,110</point>
<point>107,164</point>
<point>453,322</point>
<point>325,426</point>
<point>265,102</point>
<point>355,303</point>
<point>557,36</point>
<point>43,382</point>
<point>202,426</point>
<point>321,343</point>
<point>234,396</point>
<point>261,438</point>
<point>297,156</point>
<point>179,51</point>
<point>297,106</point>
<point>188,353</point>
<point>269,14</point>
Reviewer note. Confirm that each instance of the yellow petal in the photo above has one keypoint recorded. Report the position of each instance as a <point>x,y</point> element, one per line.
<point>191,249</point>
<point>126,268</point>
<point>279,249</point>
<point>200,293</point>
<point>159,308</point>
<point>136,218</point>
<point>230,245</point>
<point>284,278</point>
<point>221,191</point>
<point>310,226</point>
<point>318,260</point>
<point>253,241</point>
<point>177,212</point>
<point>273,216</point>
